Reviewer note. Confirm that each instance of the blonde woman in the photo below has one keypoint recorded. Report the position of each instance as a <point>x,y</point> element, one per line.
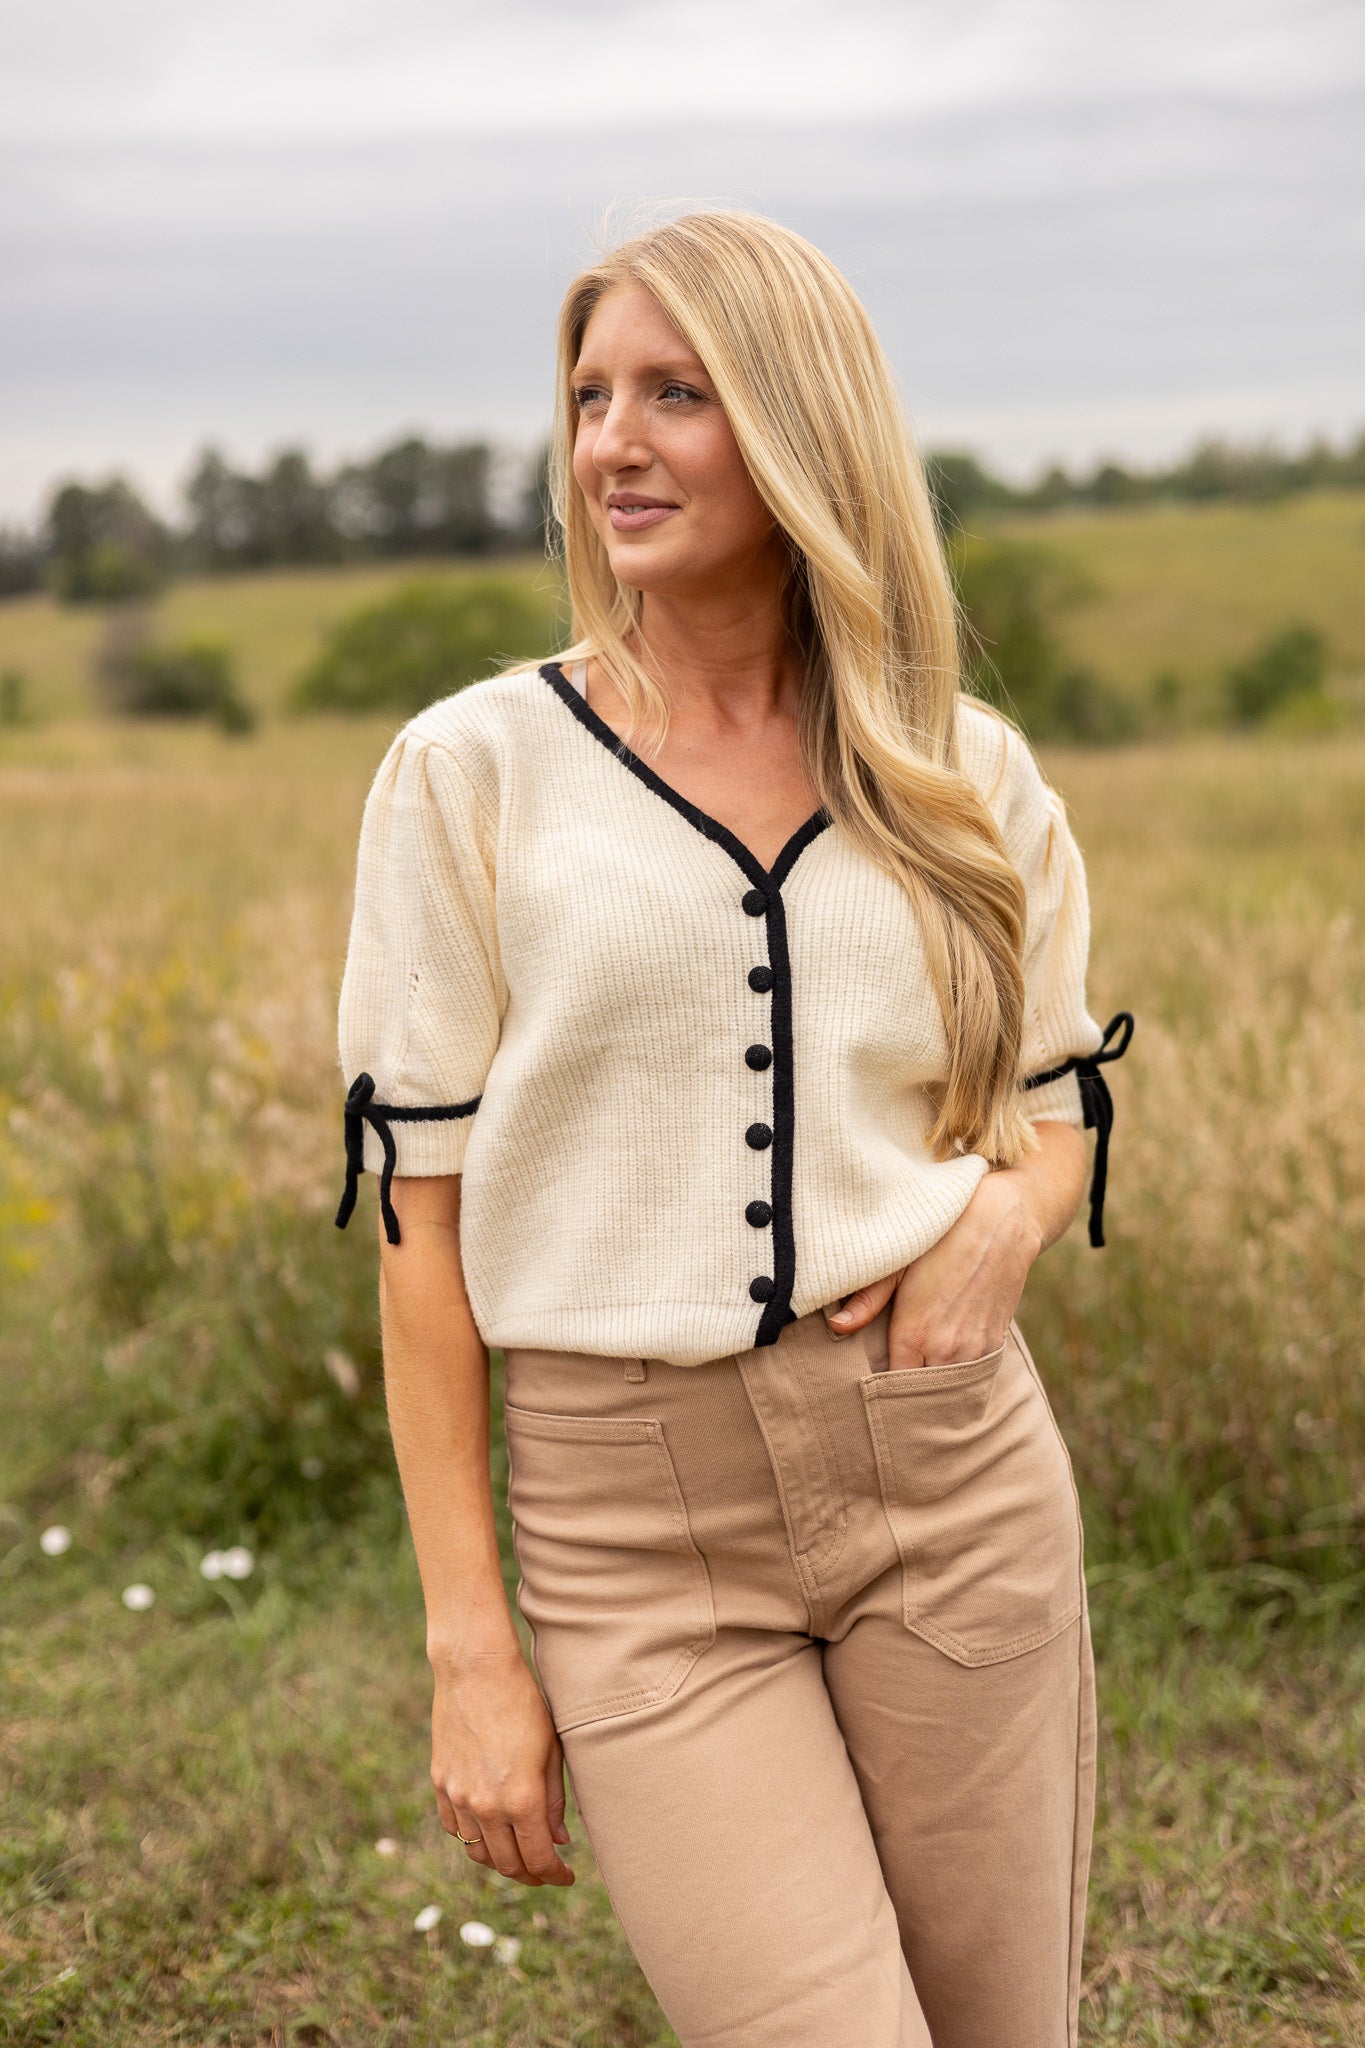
<point>715,1015</point>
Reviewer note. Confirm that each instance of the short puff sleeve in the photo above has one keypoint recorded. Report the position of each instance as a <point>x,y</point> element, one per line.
<point>1040,843</point>
<point>422,997</point>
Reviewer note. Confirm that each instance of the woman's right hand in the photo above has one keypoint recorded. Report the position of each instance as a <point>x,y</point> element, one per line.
<point>498,1768</point>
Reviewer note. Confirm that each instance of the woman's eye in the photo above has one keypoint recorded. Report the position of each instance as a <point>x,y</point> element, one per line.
<point>588,394</point>
<point>673,394</point>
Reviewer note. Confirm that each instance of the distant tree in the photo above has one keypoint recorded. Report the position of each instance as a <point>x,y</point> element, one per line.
<point>102,543</point>
<point>1111,484</point>
<point>537,527</point>
<point>424,641</point>
<point>960,486</point>
<point>221,526</point>
<point>1053,488</point>
<point>286,515</point>
<point>417,499</point>
<point>292,510</point>
<point>1285,669</point>
<point>21,562</point>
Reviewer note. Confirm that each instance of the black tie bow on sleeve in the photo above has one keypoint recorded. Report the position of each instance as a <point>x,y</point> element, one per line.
<point>362,1109</point>
<point>1096,1103</point>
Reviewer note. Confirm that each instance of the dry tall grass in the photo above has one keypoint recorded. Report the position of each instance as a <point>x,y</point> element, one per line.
<point>174,936</point>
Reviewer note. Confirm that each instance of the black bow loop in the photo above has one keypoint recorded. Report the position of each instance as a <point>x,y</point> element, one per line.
<point>1097,1105</point>
<point>362,1109</point>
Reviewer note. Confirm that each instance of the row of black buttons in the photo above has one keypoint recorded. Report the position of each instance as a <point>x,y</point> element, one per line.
<point>759,1136</point>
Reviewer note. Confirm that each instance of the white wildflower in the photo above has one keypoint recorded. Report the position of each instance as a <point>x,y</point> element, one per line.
<point>386,1846</point>
<point>429,1917</point>
<point>506,1949</point>
<point>475,1934</point>
<point>55,1541</point>
<point>211,1565</point>
<point>343,1370</point>
<point>237,1563</point>
<point>137,1599</point>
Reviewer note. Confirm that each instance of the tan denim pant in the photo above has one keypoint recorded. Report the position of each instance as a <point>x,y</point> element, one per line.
<point>814,1637</point>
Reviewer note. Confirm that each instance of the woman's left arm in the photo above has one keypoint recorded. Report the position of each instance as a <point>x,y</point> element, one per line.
<point>955,1301</point>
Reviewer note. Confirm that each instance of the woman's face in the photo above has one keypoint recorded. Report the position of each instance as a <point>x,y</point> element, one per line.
<point>665,484</point>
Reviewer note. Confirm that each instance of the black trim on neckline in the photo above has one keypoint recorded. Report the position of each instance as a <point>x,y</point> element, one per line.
<point>702,821</point>
<point>777,1313</point>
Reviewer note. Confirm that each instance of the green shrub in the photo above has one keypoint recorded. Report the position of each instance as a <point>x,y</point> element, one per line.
<point>1284,670</point>
<point>193,680</point>
<point>14,706</point>
<point>1011,593</point>
<point>425,641</point>
<point>107,573</point>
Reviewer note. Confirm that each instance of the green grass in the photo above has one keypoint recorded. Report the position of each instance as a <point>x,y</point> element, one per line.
<point>1191,588</point>
<point>194,1795</point>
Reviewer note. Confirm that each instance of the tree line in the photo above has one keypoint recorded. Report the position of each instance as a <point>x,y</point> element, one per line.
<point>1214,469</point>
<point>417,498</point>
<point>101,542</point>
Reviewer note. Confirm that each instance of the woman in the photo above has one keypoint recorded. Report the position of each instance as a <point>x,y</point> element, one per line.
<point>695,986</point>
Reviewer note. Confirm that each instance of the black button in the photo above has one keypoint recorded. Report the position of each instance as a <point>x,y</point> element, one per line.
<point>763,1289</point>
<point>758,1057</point>
<point>759,1136</point>
<point>754,901</point>
<point>760,980</point>
<point>759,1214</point>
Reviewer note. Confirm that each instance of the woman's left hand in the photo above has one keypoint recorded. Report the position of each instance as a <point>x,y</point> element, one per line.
<point>955,1301</point>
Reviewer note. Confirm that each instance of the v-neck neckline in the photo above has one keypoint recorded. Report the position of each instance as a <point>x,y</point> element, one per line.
<point>701,821</point>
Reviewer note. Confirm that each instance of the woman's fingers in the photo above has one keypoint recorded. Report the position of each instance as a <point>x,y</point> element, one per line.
<point>522,1849</point>
<point>519,1842</point>
<point>554,1796</point>
<point>538,1852</point>
<point>472,1841</point>
<point>859,1309</point>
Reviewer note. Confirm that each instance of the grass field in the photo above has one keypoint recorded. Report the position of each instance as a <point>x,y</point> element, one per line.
<point>1179,588</point>
<point>192,1795</point>
<point>1190,588</point>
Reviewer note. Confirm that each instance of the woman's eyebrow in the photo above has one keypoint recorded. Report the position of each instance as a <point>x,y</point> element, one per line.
<point>680,366</point>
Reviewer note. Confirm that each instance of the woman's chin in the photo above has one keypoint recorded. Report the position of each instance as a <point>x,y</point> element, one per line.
<point>641,567</point>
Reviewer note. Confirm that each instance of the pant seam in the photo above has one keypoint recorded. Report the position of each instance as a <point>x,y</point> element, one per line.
<point>792,1551</point>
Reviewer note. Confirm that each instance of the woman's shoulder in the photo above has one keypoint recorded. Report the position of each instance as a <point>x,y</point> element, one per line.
<point>995,756</point>
<point>498,708</point>
<point>477,737</point>
<point>466,752</point>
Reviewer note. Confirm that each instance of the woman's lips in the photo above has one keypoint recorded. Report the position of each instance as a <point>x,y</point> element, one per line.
<point>635,518</point>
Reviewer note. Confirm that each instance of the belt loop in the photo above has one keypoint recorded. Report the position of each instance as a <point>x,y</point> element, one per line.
<point>635,1369</point>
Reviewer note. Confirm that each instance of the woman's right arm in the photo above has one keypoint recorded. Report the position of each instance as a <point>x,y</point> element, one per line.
<point>495,1758</point>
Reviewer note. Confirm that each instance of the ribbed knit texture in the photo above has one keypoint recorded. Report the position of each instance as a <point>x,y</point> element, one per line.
<point>535,925</point>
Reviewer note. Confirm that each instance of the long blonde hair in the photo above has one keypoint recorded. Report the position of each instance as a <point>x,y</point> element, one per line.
<point>811,401</point>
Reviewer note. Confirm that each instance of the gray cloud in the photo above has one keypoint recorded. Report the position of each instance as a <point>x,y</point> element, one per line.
<point>1061,257</point>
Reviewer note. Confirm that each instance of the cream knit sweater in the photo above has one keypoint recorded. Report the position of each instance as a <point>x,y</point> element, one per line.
<point>687,1096</point>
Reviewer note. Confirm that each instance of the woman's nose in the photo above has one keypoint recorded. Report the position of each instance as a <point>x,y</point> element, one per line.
<point>619,443</point>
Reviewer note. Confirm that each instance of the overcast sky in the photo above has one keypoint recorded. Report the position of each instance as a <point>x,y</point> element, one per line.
<point>1083,226</point>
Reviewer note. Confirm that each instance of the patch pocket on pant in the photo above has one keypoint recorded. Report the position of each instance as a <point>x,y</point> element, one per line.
<point>978,1491</point>
<point>617,1594</point>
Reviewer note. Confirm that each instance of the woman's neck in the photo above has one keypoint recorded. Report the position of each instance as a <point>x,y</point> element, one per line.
<point>727,650</point>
